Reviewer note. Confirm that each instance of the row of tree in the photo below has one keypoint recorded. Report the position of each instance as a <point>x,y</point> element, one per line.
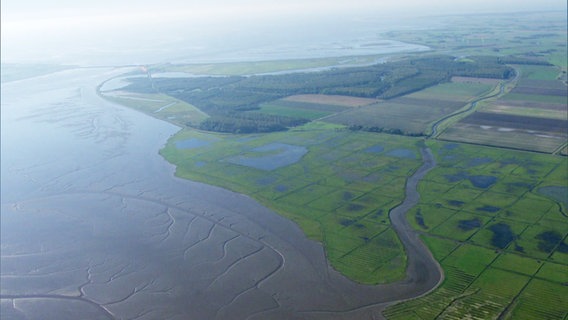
<point>249,122</point>
<point>395,131</point>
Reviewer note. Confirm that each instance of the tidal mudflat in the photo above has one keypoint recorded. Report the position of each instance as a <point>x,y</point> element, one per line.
<point>94,224</point>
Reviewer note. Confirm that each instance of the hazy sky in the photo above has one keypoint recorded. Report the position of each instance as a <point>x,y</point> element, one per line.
<point>30,26</point>
<point>34,8</point>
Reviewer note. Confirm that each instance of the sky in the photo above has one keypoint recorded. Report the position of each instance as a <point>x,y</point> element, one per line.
<point>39,28</point>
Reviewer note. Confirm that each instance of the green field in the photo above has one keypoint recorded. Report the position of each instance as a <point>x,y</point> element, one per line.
<point>539,72</point>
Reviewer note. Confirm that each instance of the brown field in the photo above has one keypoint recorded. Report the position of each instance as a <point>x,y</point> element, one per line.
<point>526,111</point>
<point>507,138</point>
<point>540,91</point>
<point>550,84</point>
<point>517,122</point>
<point>415,117</point>
<point>532,104</point>
<point>344,101</point>
<point>475,80</point>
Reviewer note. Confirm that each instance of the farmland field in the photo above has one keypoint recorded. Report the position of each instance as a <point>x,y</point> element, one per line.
<point>518,122</point>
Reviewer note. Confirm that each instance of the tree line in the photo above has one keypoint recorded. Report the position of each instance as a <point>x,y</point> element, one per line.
<point>233,102</point>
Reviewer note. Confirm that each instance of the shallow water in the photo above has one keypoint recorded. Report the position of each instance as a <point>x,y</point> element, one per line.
<point>94,224</point>
<point>271,156</point>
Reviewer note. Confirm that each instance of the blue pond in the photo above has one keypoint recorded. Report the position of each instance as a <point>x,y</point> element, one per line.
<point>558,193</point>
<point>281,188</point>
<point>483,182</point>
<point>271,156</point>
<point>488,208</point>
<point>451,146</point>
<point>479,161</point>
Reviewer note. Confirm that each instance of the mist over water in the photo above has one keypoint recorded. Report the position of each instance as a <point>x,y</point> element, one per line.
<point>112,42</point>
<point>146,32</point>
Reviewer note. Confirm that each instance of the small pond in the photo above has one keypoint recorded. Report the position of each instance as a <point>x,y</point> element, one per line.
<point>271,156</point>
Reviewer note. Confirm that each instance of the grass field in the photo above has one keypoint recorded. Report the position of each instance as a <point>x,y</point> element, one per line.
<point>546,73</point>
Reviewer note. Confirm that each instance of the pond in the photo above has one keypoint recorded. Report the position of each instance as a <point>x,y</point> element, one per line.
<point>271,156</point>
<point>557,193</point>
